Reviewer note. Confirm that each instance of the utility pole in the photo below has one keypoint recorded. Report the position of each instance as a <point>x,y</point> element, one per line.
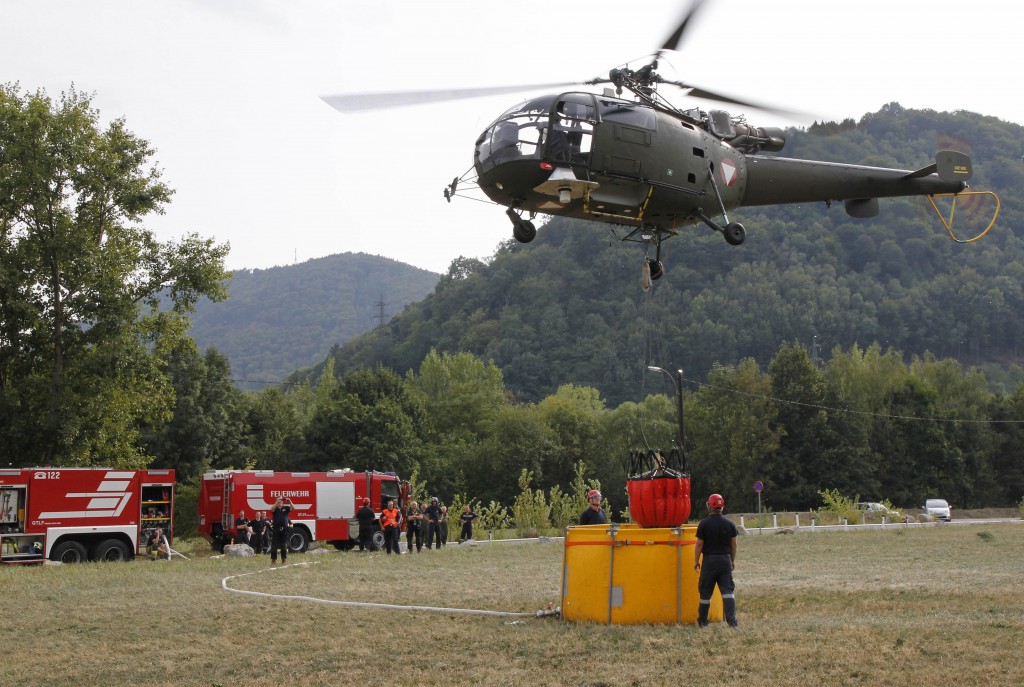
<point>381,317</point>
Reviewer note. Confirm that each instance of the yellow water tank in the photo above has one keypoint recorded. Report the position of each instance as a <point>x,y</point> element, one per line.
<point>627,575</point>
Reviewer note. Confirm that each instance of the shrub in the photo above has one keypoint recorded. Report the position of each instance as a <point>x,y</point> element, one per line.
<point>842,507</point>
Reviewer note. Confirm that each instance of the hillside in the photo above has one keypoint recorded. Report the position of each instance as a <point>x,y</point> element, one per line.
<point>281,319</point>
<point>569,306</point>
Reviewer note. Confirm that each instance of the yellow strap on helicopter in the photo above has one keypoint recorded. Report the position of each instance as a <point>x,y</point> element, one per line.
<point>949,225</point>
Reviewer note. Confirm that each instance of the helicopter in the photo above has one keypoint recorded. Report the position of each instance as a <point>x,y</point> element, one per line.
<point>628,157</point>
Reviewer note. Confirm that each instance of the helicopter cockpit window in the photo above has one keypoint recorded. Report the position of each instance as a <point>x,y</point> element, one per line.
<point>572,129</point>
<point>517,133</point>
<point>628,113</point>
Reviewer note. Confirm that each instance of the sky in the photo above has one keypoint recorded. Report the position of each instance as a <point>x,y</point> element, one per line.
<point>228,93</point>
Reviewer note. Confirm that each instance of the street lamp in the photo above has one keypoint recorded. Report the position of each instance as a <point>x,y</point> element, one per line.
<point>677,381</point>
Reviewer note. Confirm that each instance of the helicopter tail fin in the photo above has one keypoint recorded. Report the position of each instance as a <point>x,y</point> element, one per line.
<point>950,165</point>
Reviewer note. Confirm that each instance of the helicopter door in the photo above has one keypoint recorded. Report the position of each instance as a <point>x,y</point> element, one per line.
<point>623,148</point>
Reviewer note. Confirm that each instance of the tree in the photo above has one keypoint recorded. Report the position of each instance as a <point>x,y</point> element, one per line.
<point>209,427</point>
<point>82,336</point>
<point>732,427</point>
<point>368,422</point>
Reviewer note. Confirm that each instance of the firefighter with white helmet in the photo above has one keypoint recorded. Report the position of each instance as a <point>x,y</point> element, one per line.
<point>594,514</point>
<point>716,542</point>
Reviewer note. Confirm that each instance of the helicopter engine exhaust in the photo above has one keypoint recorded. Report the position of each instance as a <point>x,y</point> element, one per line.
<point>757,138</point>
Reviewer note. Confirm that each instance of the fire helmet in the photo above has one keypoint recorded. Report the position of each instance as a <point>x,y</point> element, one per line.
<point>715,501</point>
<point>593,494</point>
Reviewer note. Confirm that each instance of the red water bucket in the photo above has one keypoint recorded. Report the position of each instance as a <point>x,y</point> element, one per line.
<point>659,501</point>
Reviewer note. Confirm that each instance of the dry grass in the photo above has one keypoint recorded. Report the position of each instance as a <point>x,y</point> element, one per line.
<point>937,605</point>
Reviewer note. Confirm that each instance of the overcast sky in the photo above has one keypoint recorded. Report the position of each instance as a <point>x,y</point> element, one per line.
<point>227,91</point>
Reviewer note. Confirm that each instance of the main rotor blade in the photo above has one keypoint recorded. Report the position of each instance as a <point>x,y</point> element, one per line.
<point>359,102</point>
<point>674,40</point>
<point>697,92</point>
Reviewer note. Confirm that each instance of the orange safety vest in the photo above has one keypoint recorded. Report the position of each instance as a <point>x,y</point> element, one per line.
<point>389,518</point>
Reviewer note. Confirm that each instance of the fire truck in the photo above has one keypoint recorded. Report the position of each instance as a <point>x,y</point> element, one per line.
<point>78,514</point>
<point>325,503</point>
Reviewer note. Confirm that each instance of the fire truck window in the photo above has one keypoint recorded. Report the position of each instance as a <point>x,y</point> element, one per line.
<point>388,491</point>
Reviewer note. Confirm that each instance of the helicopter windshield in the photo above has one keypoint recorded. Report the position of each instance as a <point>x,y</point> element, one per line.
<point>516,134</point>
<point>559,128</point>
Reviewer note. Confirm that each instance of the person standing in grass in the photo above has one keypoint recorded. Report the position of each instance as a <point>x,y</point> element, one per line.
<point>433,519</point>
<point>443,523</point>
<point>413,527</point>
<point>467,518</point>
<point>391,520</point>
<point>594,514</point>
<point>281,526</point>
<point>365,516</point>
<point>716,541</point>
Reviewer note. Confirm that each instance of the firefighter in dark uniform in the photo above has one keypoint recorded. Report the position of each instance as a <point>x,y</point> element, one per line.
<point>716,541</point>
<point>594,514</point>
<point>281,529</point>
<point>365,516</point>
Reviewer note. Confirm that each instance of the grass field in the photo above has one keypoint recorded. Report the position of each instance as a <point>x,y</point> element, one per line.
<point>926,606</point>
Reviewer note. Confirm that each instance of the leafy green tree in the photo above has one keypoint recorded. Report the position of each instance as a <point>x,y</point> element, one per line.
<point>369,422</point>
<point>574,414</point>
<point>517,439</point>
<point>732,427</point>
<point>459,392</point>
<point>821,444</point>
<point>208,428</point>
<point>276,440</point>
<point>82,337</point>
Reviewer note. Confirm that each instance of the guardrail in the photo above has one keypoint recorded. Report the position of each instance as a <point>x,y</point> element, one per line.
<point>813,526</point>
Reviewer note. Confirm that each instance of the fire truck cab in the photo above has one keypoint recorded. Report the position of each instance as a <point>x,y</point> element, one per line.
<point>78,514</point>
<point>325,503</point>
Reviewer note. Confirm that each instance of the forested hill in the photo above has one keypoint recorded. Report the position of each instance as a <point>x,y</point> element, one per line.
<point>569,308</point>
<point>280,319</point>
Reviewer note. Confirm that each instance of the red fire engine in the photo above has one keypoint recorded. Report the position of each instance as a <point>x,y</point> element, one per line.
<point>325,503</point>
<point>78,514</point>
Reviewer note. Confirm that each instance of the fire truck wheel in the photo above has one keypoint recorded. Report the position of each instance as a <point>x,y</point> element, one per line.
<point>111,550</point>
<point>298,540</point>
<point>377,541</point>
<point>69,552</point>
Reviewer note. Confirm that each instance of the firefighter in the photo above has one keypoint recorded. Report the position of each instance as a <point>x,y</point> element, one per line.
<point>365,516</point>
<point>281,529</point>
<point>258,528</point>
<point>242,529</point>
<point>594,514</point>
<point>414,527</point>
<point>433,520</point>
<point>391,520</point>
<point>716,540</point>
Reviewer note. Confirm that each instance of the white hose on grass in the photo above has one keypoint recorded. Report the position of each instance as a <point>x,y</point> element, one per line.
<point>363,604</point>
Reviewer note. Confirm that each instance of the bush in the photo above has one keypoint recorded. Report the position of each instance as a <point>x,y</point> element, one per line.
<point>531,510</point>
<point>842,507</point>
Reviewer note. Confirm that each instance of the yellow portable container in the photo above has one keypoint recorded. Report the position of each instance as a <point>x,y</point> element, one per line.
<point>627,574</point>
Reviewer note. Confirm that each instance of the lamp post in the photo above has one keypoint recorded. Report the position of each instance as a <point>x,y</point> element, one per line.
<point>677,381</point>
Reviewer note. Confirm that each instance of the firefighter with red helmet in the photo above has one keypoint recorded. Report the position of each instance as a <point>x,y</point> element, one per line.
<point>716,542</point>
<point>594,514</point>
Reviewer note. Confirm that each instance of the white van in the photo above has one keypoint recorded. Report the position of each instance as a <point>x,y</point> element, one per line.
<point>938,508</point>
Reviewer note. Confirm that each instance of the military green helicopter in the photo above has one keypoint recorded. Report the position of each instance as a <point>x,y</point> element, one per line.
<point>638,161</point>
